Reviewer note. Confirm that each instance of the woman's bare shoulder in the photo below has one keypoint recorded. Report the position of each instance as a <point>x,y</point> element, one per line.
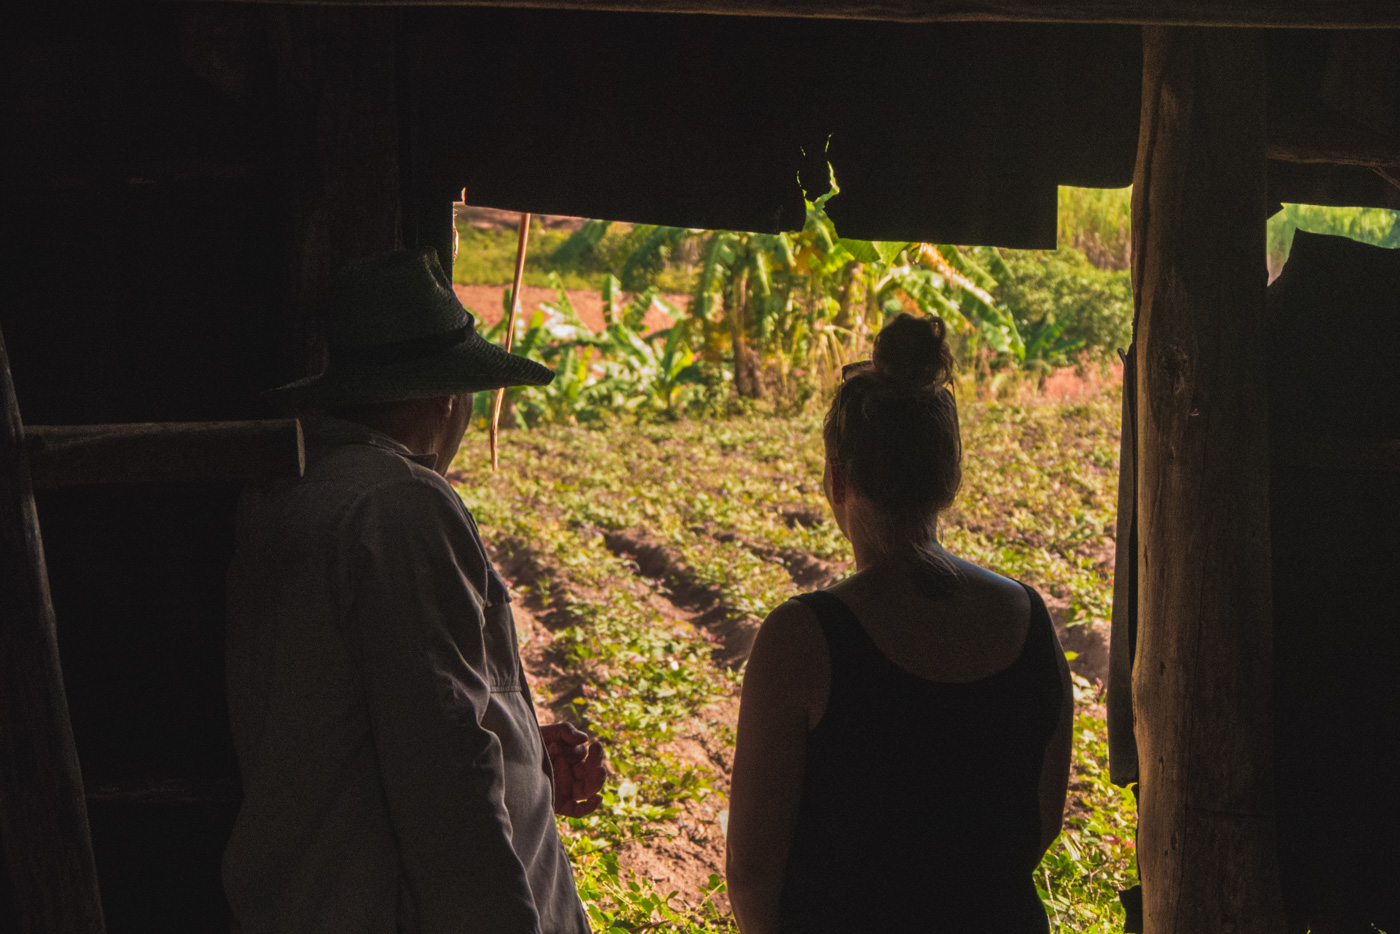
<point>789,657</point>
<point>985,586</point>
<point>791,627</point>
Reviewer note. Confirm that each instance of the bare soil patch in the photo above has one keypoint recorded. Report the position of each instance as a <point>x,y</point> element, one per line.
<point>690,848</point>
<point>657,560</point>
<point>1088,640</point>
<point>683,859</point>
<point>487,303</point>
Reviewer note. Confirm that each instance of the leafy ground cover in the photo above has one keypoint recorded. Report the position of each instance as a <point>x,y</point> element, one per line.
<point>643,556</point>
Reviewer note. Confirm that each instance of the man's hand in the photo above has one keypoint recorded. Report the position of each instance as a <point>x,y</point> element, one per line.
<point>578,766</point>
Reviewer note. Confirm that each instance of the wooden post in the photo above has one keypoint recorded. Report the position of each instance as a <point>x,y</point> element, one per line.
<point>43,814</point>
<point>1202,684</point>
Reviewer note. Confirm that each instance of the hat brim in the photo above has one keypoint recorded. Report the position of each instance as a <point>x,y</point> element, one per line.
<point>475,365</point>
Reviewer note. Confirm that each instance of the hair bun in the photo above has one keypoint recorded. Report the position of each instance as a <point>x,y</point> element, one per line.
<point>913,352</point>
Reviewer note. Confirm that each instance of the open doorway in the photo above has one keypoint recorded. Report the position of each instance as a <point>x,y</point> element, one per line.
<point>664,494</point>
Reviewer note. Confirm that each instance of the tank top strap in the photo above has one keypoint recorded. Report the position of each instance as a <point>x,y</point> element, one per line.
<point>1040,663</point>
<point>847,644</point>
<point>1040,629</point>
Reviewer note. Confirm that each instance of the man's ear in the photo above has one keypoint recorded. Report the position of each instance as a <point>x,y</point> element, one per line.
<point>838,484</point>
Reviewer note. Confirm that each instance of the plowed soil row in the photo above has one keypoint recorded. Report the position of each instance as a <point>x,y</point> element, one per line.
<point>684,858</point>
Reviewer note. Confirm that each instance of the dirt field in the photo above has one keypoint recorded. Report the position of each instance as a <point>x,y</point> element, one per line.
<point>643,558</point>
<point>487,303</point>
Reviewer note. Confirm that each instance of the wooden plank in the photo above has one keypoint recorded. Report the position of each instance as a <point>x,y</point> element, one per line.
<point>166,452</point>
<point>1202,682</point>
<point>1333,14</point>
<point>1122,646</point>
<point>1311,452</point>
<point>1332,139</point>
<point>335,87</point>
<point>43,815</point>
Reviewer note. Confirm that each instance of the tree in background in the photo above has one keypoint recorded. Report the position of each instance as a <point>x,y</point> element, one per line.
<point>777,310</point>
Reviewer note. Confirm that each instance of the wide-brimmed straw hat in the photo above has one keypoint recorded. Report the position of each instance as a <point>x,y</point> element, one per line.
<point>397,332</point>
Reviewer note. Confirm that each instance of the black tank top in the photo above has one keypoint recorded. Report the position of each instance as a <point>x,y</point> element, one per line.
<point>920,800</point>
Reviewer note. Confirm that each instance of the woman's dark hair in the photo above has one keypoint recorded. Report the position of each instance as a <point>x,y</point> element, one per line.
<point>893,430</point>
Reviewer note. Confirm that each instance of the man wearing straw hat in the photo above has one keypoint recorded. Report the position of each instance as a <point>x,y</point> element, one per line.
<point>395,778</point>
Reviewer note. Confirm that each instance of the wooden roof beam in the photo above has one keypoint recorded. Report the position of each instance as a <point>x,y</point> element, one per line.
<point>1295,14</point>
<point>1333,140</point>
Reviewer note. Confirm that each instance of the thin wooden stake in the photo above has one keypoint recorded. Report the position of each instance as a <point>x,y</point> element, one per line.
<point>45,844</point>
<point>521,242</point>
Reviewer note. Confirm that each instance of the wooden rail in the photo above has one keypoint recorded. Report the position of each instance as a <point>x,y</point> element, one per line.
<point>1293,14</point>
<point>1307,452</point>
<point>164,452</point>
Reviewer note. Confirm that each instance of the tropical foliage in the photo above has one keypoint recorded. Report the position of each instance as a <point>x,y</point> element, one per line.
<point>1066,309</point>
<point>767,314</point>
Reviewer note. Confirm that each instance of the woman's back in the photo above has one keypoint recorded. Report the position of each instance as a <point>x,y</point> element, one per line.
<point>920,805</point>
<point>904,738</point>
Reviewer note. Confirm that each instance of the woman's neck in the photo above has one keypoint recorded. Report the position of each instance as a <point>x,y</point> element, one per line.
<point>874,556</point>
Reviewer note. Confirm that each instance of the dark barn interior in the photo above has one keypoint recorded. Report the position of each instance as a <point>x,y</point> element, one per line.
<point>181,178</point>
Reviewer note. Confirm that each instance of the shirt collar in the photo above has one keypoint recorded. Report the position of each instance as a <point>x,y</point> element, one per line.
<point>329,431</point>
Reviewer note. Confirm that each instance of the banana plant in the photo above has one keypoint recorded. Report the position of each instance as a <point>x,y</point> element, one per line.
<point>776,308</point>
<point>618,369</point>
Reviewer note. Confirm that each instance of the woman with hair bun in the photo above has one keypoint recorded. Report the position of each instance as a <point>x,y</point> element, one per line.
<point>904,737</point>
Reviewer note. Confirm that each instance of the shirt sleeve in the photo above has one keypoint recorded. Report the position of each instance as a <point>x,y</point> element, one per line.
<point>415,626</point>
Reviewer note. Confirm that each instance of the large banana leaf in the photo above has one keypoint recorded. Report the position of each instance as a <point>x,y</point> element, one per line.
<point>884,252</point>
<point>612,298</point>
<point>718,259</point>
<point>580,243</point>
<point>925,287</point>
<point>637,309</point>
<point>655,246</point>
<point>969,267</point>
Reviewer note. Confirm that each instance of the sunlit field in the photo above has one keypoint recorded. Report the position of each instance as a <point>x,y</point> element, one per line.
<point>642,557</point>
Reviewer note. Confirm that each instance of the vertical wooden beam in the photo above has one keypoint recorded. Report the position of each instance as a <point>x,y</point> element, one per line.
<point>339,109</point>
<point>1202,683</point>
<point>43,814</point>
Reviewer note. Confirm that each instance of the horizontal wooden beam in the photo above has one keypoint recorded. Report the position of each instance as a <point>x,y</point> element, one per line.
<point>167,791</point>
<point>1309,452</point>
<point>164,452</point>
<point>1294,14</point>
<point>165,172</point>
<point>1334,140</point>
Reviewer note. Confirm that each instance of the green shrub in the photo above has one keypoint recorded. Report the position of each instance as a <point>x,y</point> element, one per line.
<point>1065,307</point>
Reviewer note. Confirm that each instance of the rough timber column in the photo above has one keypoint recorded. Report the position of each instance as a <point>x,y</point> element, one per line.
<point>1202,683</point>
